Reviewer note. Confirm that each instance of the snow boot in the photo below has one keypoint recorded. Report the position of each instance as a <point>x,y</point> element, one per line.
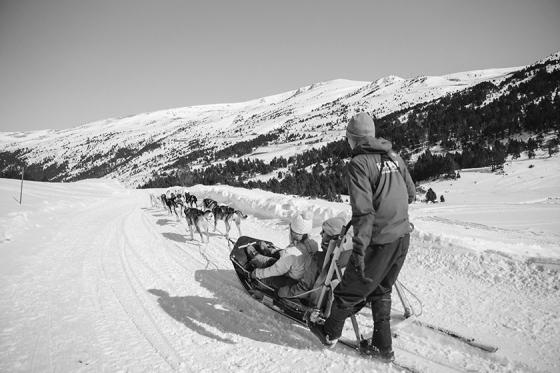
<point>381,312</point>
<point>368,349</point>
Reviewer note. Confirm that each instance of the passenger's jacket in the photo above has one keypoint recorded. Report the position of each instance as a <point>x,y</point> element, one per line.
<point>292,262</point>
<point>380,189</point>
<point>312,268</point>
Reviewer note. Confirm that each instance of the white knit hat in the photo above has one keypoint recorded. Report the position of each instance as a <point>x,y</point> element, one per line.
<point>301,225</point>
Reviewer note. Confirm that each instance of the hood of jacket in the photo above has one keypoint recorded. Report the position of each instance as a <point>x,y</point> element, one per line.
<point>369,145</point>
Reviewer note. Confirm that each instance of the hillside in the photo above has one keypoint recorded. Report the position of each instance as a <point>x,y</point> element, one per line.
<point>292,142</point>
<point>134,148</point>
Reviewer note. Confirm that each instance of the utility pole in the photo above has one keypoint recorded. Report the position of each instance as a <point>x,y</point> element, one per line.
<point>21,188</point>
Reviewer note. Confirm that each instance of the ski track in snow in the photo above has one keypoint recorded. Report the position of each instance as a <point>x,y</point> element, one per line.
<point>112,284</point>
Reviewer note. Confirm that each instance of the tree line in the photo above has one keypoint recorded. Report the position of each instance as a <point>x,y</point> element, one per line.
<point>327,177</point>
<point>470,131</point>
<point>476,127</point>
<point>530,105</point>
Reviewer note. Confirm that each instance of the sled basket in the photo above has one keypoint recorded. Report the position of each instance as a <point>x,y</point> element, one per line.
<point>317,300</point>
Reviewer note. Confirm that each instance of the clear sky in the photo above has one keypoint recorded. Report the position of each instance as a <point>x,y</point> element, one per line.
<point>64,63</point>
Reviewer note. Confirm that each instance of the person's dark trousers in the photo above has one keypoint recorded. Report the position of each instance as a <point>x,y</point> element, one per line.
<point>382,266</point>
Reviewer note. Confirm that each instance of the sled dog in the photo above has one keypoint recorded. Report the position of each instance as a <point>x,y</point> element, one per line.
<point>228,215</point>
<point>167,202</point>
<point>190,199</point>
<point>178,205</point>
<point>209,204</point>
<point>154,200</point>
<point>200,220</point>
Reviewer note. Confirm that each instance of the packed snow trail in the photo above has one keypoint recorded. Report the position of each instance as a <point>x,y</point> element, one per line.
<point>96,279</point>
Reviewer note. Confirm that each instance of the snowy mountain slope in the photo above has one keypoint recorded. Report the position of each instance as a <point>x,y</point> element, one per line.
<point>551,62</point>
<point>94,278</point>
<point>133,148</point>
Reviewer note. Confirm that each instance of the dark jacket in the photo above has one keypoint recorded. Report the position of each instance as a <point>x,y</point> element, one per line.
<point>380,189</point>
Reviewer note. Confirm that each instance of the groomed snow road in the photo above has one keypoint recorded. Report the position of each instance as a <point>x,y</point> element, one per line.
<point>93,278</point>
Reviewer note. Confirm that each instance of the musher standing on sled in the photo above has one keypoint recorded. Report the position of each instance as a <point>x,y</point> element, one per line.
<point>380,189</point>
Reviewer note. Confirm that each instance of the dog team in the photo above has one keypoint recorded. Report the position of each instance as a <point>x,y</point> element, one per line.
<point>177,201</point>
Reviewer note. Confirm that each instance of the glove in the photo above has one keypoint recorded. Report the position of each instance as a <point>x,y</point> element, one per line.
<point>358,261</point>
<point>251,251</point>
<point>253,275</point>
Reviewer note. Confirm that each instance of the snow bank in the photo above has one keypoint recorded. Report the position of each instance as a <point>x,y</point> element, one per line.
<point>515,213</point>
<point>268,205</point>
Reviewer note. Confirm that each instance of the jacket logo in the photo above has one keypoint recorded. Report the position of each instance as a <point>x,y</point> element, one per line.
<point>387,167</point>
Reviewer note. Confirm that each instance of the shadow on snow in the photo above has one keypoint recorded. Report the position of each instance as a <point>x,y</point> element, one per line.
<point>232,311</point>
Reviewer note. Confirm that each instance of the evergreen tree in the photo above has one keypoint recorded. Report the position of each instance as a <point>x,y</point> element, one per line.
<point>552,146</point>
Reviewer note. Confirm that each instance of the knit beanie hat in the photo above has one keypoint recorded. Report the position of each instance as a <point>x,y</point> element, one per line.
<point>333,226</point>
<point>360,125</point>
<point>301,225</point>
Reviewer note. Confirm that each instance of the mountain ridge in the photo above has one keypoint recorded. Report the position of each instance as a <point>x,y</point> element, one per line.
<point>135,147</point>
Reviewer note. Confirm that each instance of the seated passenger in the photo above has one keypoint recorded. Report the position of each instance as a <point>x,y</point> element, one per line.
<point>332,228</point>
<point>293,260</point>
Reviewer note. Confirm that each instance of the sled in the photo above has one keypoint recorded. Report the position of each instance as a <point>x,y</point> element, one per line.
<point>315,304</point>
<point>294,308</point>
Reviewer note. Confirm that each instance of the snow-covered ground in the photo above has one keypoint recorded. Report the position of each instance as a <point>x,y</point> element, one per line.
<point>516,214</point>
<point>94,278</point>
